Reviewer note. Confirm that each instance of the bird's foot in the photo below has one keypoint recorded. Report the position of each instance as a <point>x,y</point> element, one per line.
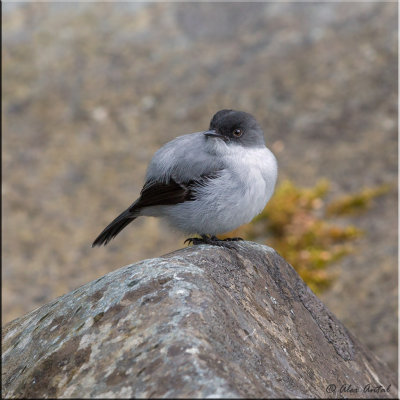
<point>212,240</point>
<point>204,239</point>
<point>195,241</point>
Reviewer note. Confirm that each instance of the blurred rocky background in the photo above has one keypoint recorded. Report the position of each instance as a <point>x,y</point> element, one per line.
<point>90,91</point>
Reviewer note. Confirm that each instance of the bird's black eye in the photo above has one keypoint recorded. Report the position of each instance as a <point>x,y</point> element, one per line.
<point>237,132</point>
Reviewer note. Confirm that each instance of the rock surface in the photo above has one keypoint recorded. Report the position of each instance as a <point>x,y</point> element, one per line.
<point>199,322</point>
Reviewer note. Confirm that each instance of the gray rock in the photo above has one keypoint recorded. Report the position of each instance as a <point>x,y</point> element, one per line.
<point>199,322</point>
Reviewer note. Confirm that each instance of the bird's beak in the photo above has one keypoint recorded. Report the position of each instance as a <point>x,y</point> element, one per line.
<point>213,133</point>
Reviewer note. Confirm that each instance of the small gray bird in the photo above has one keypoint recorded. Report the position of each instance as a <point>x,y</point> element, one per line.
<point>208,182</point>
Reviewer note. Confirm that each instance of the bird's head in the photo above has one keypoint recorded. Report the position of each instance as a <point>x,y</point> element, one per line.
<point>235,128</point>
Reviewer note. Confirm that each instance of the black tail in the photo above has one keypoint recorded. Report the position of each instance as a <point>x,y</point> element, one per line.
<point>115,227</point>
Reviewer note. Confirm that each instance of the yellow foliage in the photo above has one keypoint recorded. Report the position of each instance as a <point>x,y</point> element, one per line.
<point>296,222</point>
<point>355,203</point>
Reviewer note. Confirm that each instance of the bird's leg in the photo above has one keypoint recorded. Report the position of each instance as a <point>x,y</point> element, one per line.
<point>205,239</point>
<point>212,240</point>
<point>195,241</point>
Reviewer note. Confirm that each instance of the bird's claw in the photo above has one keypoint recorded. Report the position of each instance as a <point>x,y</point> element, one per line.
<point>193,241</point>
<point>212,240</point>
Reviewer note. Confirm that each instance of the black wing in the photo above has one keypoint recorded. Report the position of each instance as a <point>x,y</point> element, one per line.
<point>153,194</point>
<point>162,194</point>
